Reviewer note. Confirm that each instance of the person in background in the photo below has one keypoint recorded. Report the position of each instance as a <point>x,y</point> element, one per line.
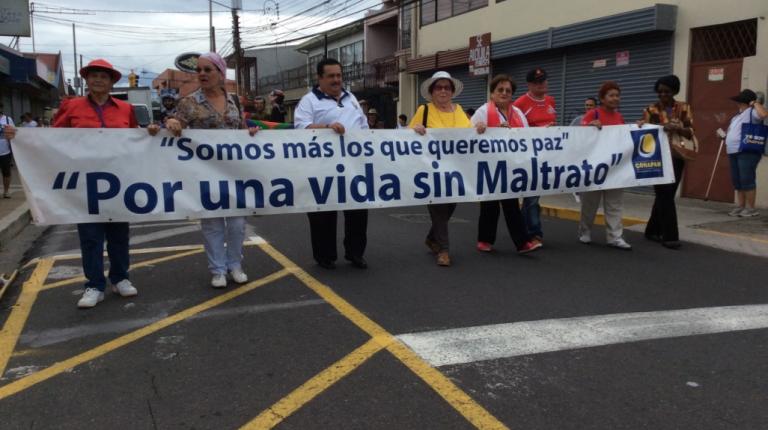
<point>100,110</point>
<point>259,111</point>
<point>744,164</point>
<point>28,121</point>
<point>539,110</point>
<point>211,107</point>
<point>606,114</point>
<point>168,108</point>
<point>329,105</point>
<point>589,104</point>
<point>364,106</point>
<point>402,121</point>
<point>499,112</point>
<point>440,112</point>
<point>677,119</point>
<point>277,103</point>
<point>373,119</point>
<point>6,158</point>
<point>469,112</point>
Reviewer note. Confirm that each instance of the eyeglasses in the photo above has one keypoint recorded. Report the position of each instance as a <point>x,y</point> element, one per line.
<point>204,69</point>
<point>504,90</point>
<point>442,88</point>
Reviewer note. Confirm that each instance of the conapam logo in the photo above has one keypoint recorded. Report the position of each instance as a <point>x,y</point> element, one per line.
<point>646,158</point>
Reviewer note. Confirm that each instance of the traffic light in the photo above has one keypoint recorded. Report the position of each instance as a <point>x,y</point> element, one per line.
<point>133,80</point>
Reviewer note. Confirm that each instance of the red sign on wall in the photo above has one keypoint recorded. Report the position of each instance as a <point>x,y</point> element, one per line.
<point>480,54</point>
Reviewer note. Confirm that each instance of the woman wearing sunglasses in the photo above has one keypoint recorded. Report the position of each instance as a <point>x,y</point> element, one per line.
<point>211,107</point>
<point>500,112</point>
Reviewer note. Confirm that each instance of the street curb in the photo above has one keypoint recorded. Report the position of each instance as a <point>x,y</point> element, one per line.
<point>13,223</point>
<point>575,215</point>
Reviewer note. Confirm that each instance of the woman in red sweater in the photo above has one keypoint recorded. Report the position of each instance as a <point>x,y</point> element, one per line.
<point>606,114</point>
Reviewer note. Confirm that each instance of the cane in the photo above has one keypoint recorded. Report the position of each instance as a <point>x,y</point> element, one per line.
<point>720,134</point>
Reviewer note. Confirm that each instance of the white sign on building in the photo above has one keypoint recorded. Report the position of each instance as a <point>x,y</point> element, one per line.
<point>14,18</point>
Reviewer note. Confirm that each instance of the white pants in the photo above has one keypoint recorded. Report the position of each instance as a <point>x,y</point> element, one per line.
<point>217,232</point>
<point>613,203</point>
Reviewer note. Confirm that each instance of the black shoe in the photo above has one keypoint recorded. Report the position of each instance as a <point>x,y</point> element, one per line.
<point>654,238</point>
<point>358,262</point>
<point>326,264</point>
<point>671,244</point>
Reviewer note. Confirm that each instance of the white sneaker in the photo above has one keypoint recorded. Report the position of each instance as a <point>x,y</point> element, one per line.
<point>239,276</point>
<point>125,288</point>
<point>749,213</point>
<point>90,298</point>
<point>620,244</point>
<point>736,211</point>
<point>219,281</point>
<point>585,238</point>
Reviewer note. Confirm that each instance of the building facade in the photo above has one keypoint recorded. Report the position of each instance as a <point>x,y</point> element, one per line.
<point>715,50</point>
<point>30,82</point>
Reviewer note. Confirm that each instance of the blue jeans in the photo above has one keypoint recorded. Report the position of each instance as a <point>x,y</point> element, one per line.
<point>217,232</point>
<point>743,169</point>
<point>92,236</point>
<point>532,216</point>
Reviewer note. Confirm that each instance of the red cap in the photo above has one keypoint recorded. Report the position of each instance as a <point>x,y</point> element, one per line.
<point>103,65</point>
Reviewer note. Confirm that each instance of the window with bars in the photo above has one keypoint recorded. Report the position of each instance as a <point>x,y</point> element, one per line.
<point>724,41</point>
<point>438,10</point>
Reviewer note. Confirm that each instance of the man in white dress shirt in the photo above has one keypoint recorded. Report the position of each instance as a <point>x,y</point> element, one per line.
<point>329,105</point>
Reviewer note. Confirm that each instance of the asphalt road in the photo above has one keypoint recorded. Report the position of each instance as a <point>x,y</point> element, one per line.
<point>571,337</point>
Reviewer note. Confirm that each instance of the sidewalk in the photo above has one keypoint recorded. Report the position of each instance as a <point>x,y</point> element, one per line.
<point>14,213</point>
<point>702,222</point>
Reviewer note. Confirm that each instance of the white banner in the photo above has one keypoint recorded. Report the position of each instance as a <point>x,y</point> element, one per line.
<point>91,175</point>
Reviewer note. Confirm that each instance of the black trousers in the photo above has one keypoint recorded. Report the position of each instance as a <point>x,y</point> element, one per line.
<point>663,221</point>
<point>322,228</point>
<point>489,219</point>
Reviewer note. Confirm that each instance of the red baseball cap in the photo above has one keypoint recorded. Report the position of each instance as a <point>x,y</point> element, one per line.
<point>102,65</point>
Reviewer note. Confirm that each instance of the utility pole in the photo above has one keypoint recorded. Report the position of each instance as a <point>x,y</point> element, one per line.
<point>210,26</point>
<point>77,80</point>
<point>236,4</point>
<point>32,23</point>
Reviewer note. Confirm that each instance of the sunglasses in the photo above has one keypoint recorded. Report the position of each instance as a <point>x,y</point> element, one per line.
<point>204,69</point>
<point>443,88</point>
<point>504,90</point>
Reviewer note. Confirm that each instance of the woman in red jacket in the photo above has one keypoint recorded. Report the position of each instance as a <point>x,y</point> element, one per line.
<point>100,110</point>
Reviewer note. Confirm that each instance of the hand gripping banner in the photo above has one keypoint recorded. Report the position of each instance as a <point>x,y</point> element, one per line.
<point>94,175</point>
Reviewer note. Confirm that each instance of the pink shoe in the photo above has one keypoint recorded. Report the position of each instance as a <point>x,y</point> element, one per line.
<point>529,246</point>
<point>484,247</point>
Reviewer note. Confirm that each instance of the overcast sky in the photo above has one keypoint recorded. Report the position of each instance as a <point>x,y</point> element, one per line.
<point>145,40</point>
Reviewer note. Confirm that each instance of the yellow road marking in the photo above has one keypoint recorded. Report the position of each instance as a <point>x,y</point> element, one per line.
<point>289,404</point>
<point>8,282</point>
<point>20,312</point>
<point>462,402</point>
<point>138,265</point>
<point>63,366</point>
<point>575,215</point>
<point>139,251</point>
<point>733,235</point>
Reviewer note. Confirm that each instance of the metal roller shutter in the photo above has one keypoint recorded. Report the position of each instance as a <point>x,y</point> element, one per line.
<point>650,57</point>
<point>517,67</point>
<point>475,91</point>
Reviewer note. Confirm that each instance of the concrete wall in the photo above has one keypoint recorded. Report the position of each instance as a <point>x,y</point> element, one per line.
<point>454,33</point>
<point>381,40</point>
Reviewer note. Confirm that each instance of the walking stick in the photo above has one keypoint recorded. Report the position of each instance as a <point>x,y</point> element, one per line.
<point>721,134</point>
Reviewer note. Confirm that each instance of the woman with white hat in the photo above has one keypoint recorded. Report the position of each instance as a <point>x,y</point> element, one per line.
<point>440,112</point>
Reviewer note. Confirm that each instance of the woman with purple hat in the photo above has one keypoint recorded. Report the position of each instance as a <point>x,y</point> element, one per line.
<point>744,164</point>
<point>210,107</point>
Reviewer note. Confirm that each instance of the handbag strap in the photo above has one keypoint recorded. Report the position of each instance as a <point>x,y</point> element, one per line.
<point>426,114</point>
